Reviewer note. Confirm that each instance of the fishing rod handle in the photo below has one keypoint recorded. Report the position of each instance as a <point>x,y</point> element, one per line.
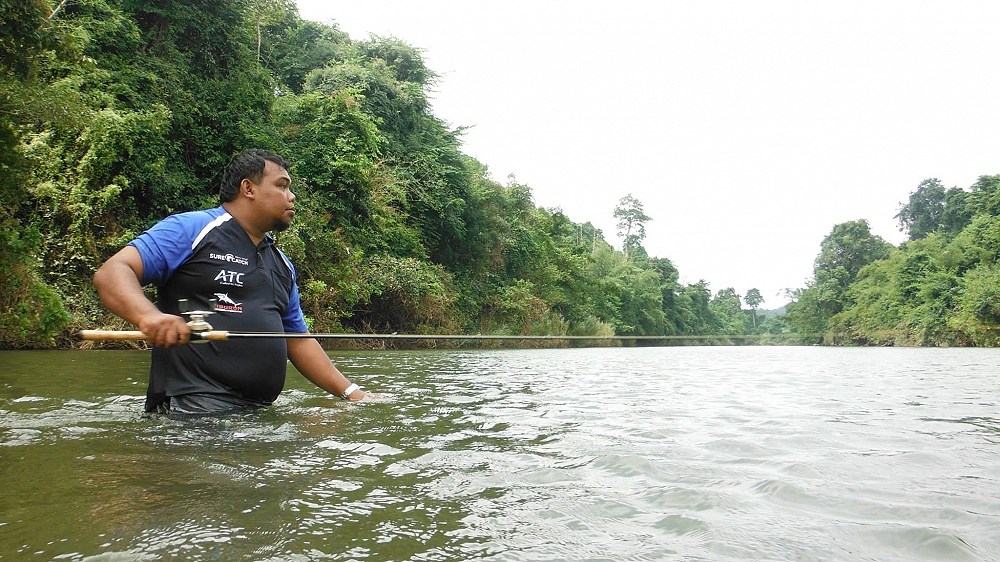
<point>134,335</point>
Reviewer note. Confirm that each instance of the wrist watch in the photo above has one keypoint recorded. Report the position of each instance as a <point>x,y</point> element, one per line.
<point>349,390</point>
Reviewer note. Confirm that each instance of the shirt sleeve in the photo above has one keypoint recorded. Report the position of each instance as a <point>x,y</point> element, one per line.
<point>163,248</point>
<point>293,319</point>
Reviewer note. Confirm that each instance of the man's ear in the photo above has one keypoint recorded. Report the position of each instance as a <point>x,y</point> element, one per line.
<point>247,188</point>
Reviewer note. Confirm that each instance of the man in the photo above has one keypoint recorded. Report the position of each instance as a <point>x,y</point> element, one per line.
<point>224,254</point>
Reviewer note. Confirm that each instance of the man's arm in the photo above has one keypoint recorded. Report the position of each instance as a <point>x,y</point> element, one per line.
<point>312,361</point>
<point>117,283</point>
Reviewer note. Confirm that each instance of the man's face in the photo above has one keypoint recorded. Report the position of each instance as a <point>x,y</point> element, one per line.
<point>275,199</point>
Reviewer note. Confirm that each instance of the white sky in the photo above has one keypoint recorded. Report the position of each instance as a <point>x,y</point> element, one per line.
<point>747,129</point>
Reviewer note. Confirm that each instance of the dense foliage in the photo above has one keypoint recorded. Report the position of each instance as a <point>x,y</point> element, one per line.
<point>940,287</point>
<point>114,113</point>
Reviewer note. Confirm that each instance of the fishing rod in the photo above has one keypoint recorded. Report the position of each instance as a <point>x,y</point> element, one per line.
<point>223,335</point>
<point>202,331</point>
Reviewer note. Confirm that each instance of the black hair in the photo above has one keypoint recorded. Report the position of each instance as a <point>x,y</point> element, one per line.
<point>248,164</point>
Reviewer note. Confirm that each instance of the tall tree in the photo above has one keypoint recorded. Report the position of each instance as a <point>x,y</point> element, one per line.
<point>932,208</point>
<point>848,248</point>
<point>753,299</point>
<point>985,197</point>
<point>923,213</point>
<point>729,315</point>
<point>631,223</point>
<point>958,211</point>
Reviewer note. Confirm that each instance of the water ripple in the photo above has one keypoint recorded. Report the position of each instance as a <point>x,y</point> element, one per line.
<point>701,454</point>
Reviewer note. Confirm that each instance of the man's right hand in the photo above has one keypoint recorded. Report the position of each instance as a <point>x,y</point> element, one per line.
<point>117,283</point>
<point>165,330</point>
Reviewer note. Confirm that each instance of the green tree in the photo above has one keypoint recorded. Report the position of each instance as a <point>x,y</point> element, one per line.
<point>978,314</point>
<point>932,208</point>
<point>958,211</point>
<point>335,147</point>
<point>301,47</point>
<point>670,290</point>
<point>730,318</point>
<point>631,223</point>
<point>905,299</point>
<point>629,295</point>
<point>36,54</point>
<point>843,253</point>
<point>985,195</point>
<point>924,211</point>
<point>753,299</point>
<point>695,316</point>
<point>849,247</point>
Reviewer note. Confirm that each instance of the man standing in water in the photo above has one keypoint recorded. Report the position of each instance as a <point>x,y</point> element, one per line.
<point>224,254</point>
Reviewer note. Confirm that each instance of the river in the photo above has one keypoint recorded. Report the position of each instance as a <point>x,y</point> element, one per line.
<point>668,453</point>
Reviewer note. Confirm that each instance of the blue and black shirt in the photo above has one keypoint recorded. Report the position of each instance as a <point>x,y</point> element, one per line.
<point>204,255</point>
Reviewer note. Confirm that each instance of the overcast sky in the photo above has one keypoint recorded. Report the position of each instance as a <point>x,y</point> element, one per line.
<point>747,129</point>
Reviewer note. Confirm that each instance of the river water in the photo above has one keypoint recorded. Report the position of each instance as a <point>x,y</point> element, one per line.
<point>670,453</point>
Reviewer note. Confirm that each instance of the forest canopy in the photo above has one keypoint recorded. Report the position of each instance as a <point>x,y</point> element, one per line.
<point>940,287</point>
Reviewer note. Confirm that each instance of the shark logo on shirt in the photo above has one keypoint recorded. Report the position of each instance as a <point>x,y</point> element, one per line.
<point>227,304</point>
